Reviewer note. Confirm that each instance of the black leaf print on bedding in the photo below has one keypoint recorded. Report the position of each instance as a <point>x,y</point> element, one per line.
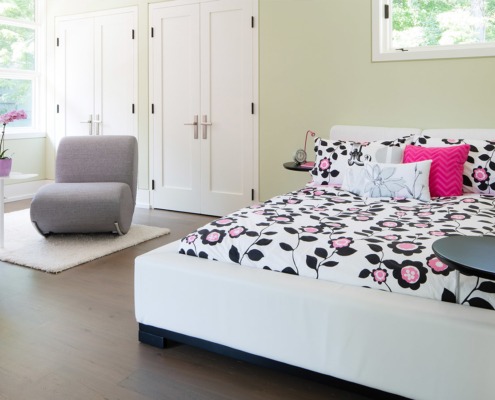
<point>375,248</point>
<point>286,247</point>
<point>365,273</point>
<point>234,255</point>
<point>321,252</point>
<point>289,271</point>
<point>312,262</point>
<point>264,242</point>
<point>479,302</point>
<point>487,287</point>
<point>373,259</point>
<point>448,296</point>
<point>255,255</point>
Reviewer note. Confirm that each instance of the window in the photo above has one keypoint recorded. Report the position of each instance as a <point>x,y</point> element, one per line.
<point>20,40</point>
<point>423,29</point>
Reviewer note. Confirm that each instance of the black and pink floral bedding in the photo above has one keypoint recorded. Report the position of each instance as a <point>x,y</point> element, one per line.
<point>327,233</point>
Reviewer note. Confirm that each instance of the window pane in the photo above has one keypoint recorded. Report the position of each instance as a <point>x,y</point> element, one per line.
<point>17,94</point>
<point>417,23</point>
<point>17,9</point>
<point>16,47</point>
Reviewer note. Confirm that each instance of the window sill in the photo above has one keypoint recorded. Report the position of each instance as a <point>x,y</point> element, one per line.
<point>24,135</point>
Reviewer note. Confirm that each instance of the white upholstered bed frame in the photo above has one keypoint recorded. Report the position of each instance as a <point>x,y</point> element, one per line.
<point>404,345</point>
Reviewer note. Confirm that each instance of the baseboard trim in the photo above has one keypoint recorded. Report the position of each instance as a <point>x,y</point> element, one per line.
<point>143,198</point>
<point>23,190</point>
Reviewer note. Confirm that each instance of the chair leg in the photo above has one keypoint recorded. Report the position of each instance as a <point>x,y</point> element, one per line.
<point>117,228</point>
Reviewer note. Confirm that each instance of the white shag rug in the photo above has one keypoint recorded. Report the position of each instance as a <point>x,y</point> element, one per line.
<point>25,246</point>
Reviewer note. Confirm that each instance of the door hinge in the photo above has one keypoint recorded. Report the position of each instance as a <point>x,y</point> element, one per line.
<point>152,184</point>
<point>58,42</point>
<point>58,108</point>
<point>133,34</point>
<point>386,11</point>
<point>152,109</point>
<point>252,108</point>
<point>252,22</point>
<point>152,32</point>
<point>133,109</point>
<point>252,194</point>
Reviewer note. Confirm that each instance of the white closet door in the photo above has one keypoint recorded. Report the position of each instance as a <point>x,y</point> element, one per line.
<point>115,75</point>
<point>74,79</point>
<point>96,74</point>
<point>226,97</point>
<point>175,95</point>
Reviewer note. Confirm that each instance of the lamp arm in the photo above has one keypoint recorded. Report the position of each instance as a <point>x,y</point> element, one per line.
<point>307,133</point>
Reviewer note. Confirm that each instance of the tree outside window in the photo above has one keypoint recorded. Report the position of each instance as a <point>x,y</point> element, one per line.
<point>420,23</point>
<point>18,32</point>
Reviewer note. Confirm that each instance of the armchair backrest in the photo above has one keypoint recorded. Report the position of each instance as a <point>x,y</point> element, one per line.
<point>98,159</point>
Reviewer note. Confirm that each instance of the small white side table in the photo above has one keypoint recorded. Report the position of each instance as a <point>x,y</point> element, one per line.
<point>13,175</point>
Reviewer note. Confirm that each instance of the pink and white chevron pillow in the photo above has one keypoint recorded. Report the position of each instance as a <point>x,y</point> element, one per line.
<point>446,168</point>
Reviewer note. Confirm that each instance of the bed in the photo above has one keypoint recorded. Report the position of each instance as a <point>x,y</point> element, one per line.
<point>386,321</point>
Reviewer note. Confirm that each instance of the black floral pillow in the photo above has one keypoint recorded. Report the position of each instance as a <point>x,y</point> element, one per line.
<point>479,169</point>
<point>331,161</point>
<point>334,157</point>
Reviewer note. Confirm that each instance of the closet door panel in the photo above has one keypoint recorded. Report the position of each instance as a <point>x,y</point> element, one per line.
<point>116,72</point>
<point>175,93</point>
<point>74,78</point>
<point>226,97</point>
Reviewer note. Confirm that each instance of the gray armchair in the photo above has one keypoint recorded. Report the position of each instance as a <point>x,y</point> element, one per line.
<point>95,187</point>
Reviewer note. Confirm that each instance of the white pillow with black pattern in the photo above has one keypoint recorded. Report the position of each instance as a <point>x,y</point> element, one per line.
<point>334,157</point>
<point>372,179</point>
<point>479,169</point>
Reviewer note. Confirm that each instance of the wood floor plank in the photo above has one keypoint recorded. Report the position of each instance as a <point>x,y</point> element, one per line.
<point>73,335</point>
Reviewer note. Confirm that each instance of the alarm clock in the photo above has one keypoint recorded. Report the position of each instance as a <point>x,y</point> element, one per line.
<point>300,156</point>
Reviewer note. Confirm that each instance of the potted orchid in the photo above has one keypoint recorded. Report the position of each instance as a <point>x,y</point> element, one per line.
<point>5,161</point>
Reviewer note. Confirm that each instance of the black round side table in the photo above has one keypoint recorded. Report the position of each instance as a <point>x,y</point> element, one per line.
<point>471,255</point>
<point>293,166</point>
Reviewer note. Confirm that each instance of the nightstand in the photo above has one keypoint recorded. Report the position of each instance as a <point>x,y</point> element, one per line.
<point>293,166</point>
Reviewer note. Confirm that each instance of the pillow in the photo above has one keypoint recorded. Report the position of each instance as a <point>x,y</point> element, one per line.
<point>446,168</point>
<point>389,180</point>
<point>479,169</point>
<point>333,158</point>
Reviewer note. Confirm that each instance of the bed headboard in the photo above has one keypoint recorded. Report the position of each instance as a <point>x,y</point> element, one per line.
<point>372,133</point>
<point>486,134</point>
<point>369,133</point>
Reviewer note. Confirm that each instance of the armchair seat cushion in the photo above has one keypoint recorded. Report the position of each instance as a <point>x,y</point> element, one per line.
<point>83,207</point>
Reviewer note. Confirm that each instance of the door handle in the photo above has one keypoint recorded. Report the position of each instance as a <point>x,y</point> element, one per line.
<point>205,125</point>
<point>97,123</point>
<point>195,124</point>
<point>90,123</point>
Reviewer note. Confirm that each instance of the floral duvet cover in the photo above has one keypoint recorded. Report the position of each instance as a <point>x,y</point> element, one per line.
<point>327,233</point>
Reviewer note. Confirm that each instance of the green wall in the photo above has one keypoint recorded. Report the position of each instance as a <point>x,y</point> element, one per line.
<point>28,156</point>
<point>315,72</point>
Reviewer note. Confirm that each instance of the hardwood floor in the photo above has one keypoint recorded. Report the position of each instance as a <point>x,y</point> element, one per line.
<point>73,335</point>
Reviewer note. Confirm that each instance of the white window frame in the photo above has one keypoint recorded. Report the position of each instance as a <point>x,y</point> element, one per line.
<point>382,40</point>
<point>38,119</point>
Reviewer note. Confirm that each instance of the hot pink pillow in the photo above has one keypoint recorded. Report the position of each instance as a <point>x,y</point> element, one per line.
<point>446,168</point>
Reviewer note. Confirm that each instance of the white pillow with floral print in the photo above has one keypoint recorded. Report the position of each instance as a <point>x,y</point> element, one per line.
<point>479,169</point>
<point>389,180</point>
<point>333,158</point>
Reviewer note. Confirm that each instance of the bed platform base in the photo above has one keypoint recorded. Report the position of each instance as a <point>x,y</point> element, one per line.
<point>163,338</point>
